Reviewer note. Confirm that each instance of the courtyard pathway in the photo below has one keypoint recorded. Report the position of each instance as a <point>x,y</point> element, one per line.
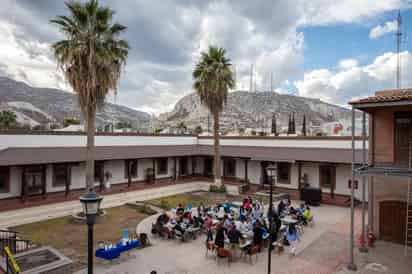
<point>55,210</point>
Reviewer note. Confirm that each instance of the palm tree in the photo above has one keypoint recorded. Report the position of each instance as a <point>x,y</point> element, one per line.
<point>8,119</point>
<point>91,57</point>
<point>213,78</point>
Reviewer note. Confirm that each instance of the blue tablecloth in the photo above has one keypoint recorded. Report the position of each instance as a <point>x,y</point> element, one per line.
<point>116,250</point>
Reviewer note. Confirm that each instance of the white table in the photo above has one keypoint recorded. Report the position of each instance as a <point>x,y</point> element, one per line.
<point>288,220</point>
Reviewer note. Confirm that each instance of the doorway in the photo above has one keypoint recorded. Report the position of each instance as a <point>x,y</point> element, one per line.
<point>392,221</point>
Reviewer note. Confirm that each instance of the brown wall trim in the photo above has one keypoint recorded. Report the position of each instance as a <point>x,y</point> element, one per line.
<point>329,138</point>
<point>82,133</point>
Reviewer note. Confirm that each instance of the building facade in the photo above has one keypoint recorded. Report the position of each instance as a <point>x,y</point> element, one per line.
<point>38,164</point>
<point>389,166</point>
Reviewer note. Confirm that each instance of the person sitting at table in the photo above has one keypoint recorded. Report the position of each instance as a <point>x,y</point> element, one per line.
<point>293,212</point>
<point>227,224</point>
<point>179,227</point>
<point>242,214</point>
<point>257,235</point>
<point>306,215</point>
<point>220,236</point>
<point>234,234</point>
<point>246,204</point>
<point>226,207</point>
<point>180,209</point>
<point>281,207</point>
<point>288,202</point>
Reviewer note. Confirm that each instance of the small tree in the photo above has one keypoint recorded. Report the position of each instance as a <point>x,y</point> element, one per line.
<point>293,126</point>
<point>70,121</point>
<point>304,125</point>
<point>198,130</point>
<point>8,120</point>
<point>274,129</point>
<point>182,127</point>
<point>289,125</point>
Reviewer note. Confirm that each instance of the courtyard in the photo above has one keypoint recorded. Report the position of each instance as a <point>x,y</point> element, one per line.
<point>323,247</point>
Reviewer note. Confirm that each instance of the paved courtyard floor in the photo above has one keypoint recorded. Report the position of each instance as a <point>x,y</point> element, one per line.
<point>323,249</point>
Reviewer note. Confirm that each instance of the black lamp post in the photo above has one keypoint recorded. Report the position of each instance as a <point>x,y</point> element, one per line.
<point>271,171</point>
<point>91,207</point>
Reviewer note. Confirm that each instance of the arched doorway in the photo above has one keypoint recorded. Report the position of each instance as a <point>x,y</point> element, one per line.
<point>392,221</point>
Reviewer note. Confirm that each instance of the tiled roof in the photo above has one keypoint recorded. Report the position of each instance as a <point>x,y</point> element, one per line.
<point>386,96</point>
<point>44,155</point>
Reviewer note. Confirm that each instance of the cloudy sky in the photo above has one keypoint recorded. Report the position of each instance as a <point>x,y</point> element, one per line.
<point>328,49</point>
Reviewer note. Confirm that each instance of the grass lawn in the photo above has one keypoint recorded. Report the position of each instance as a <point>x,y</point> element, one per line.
<point>193,198</point>
<point>70,237</point>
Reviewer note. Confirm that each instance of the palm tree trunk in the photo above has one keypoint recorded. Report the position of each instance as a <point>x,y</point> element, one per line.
<point>90,123</point>
<point>218,179</point>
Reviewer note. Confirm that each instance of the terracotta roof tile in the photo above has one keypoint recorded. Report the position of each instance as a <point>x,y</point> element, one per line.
<point>386,96</point>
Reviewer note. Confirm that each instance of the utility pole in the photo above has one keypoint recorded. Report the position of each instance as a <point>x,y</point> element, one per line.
<point>398,50</point>
<point>251,78</point>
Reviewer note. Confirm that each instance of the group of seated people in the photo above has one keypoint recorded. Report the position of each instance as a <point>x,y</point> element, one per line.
<point>244,225</point>
<point>182,218</point>
<point>302,214</point>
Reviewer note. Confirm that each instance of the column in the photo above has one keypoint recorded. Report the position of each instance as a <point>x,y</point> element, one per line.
<point>43,180</point>
<point>246,171</point>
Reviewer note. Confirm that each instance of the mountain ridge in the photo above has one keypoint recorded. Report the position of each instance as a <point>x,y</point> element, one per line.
<point>33,106</point>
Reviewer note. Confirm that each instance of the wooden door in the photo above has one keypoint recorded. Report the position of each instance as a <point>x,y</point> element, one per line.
<point>392,221</point>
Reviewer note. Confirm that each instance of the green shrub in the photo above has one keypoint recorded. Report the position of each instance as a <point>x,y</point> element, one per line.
<point>165,204</point>
<point>217,189</point>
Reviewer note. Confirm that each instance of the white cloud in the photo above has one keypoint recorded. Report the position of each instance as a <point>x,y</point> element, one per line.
<point>381,30</point>
<point>166,41</point>
<point>348,63</point>
<point>353,82</point>
<point>28,61</point>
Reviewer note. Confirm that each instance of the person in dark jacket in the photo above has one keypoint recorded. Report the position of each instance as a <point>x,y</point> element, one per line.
<point>257,234</point>
<point>220,236</point>
<point>234,234</point>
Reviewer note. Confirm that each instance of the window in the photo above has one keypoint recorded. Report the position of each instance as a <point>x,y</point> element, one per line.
<point>4,179</point>
<point>403,137</point>
<point>327,176</point>
<point>183,166</point>
<point>98,171</point>
<point>229,167</point>
<point>284,173</point>
<point>61,175</point>
<point>208,168</point>
<point>162,166</point>
<point>130,166</point>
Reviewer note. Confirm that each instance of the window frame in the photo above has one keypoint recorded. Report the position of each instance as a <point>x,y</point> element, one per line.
<point>100,174</point>
<point>289,168</point>
<point>322,184</point>
<point>134,172</point>
<point>67,173</point>
<point>6,187</point>
<point>227,162</point>
<point>159,169</point>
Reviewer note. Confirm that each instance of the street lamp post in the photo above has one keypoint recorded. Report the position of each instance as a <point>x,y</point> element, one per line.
<point>91,207</point>
<point>272,173</point>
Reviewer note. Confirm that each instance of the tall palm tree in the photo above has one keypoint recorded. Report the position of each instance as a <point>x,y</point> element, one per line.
<point>213,78</point>
<point>91,57</point>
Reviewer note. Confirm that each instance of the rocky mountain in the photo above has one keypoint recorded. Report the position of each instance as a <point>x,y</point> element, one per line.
<point>41,106</point>
<point>254,110</point>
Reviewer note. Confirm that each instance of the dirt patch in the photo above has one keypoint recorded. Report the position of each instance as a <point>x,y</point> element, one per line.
<point>70,237</point>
